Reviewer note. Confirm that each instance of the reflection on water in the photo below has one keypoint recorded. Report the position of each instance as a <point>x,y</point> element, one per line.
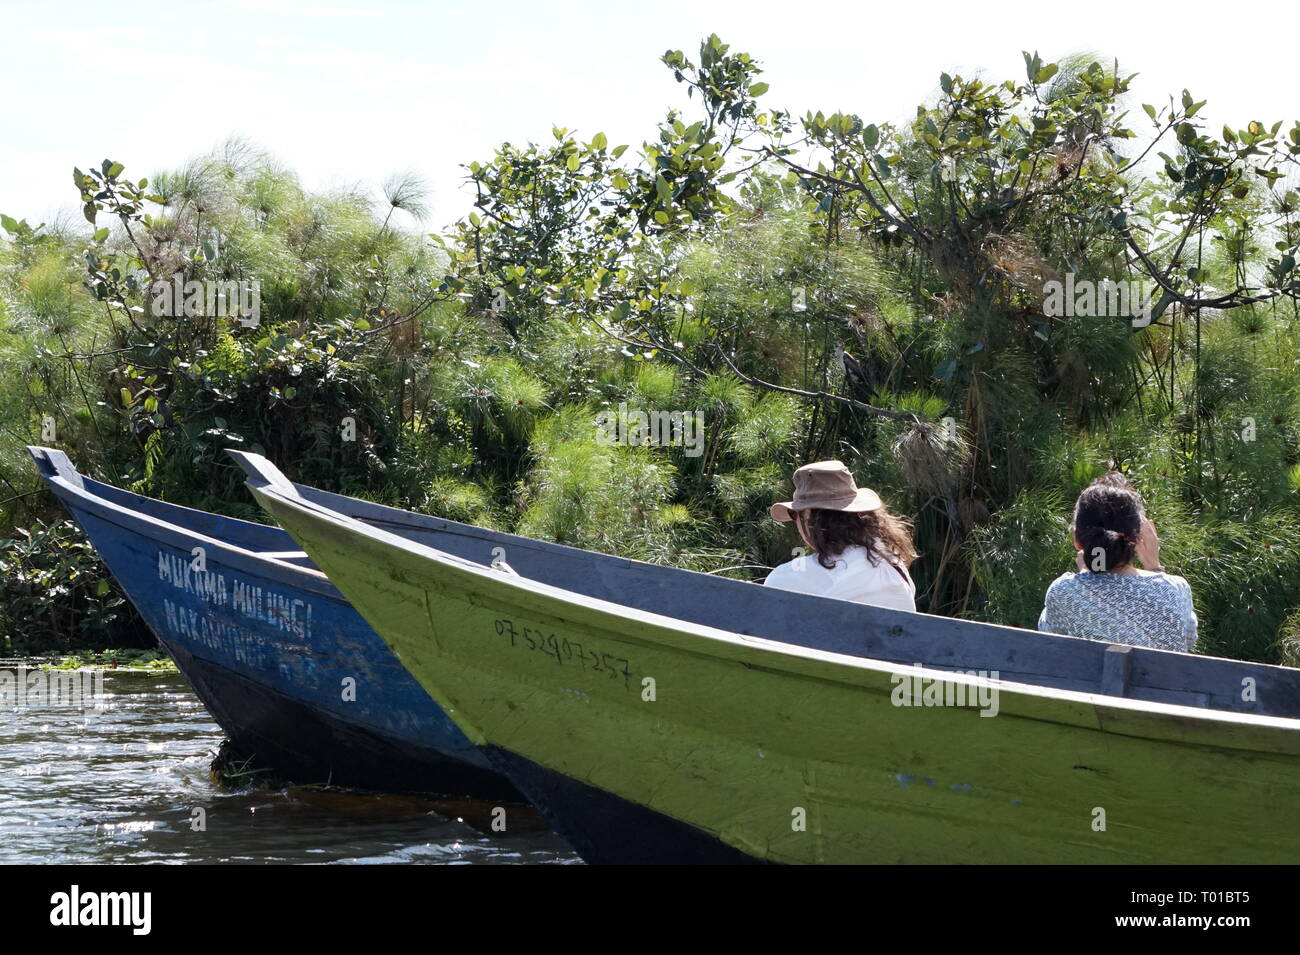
<point>120,783</point>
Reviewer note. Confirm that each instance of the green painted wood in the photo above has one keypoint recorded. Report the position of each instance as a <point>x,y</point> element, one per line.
<point>744,735</point>
<point>946,643</point>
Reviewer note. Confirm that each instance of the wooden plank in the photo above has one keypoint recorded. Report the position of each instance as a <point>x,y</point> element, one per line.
<point>1116,664</point>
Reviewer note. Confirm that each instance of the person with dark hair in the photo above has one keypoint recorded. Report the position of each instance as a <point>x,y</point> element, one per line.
<point>860,551</point>
<point>1109,598</point>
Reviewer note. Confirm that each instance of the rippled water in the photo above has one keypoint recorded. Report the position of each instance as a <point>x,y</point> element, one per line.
<point>118,782</point>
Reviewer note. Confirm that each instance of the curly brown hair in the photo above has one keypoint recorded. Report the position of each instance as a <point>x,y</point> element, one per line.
<point>830,533</point>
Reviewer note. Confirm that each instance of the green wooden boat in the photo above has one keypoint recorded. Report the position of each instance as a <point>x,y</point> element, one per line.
<point>646,737</point>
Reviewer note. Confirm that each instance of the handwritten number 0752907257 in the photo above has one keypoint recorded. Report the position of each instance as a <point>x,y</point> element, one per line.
<point>565,651</point>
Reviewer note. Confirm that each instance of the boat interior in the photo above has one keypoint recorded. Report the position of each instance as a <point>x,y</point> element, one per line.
<point>740,607</point>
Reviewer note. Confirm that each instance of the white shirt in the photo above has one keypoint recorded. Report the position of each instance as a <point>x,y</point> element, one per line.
<point>855,577</point>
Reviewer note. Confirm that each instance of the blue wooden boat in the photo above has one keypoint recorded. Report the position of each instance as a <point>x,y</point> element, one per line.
<point>293,675</point>
<point>659,715</point>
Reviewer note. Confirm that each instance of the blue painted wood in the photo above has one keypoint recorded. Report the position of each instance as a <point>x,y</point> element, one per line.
<point>292,674</point>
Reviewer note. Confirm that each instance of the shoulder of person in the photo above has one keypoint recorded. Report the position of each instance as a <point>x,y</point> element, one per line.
<point>877,556</point>
<point>1063,582</point>
<point>783,572</point>
<point>1171,580</point>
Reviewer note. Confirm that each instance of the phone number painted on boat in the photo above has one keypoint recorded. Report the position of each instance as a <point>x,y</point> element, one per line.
<point>564,651</point>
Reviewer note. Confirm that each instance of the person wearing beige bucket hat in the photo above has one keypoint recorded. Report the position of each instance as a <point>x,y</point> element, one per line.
<point>859,550</point>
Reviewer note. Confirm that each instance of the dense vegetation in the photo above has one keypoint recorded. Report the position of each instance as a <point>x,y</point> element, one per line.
<point>821,287</point>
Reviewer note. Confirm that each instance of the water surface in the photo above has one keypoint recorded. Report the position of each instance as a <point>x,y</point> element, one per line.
<point>118,782</point>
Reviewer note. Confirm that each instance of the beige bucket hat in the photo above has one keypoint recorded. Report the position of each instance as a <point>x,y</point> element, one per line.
<point>828,485</point>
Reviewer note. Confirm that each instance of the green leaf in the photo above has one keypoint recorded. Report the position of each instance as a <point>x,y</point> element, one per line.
<point>101,234</point>
<point>871,136</point>
<point>758,89</point>
<point>599,141</point>
<point>9,224</point>
<point>89,210</point>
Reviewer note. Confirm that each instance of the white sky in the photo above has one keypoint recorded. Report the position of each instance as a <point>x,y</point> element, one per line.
<point>349,91</point>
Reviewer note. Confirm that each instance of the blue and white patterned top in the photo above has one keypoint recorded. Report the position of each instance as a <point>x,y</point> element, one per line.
<point>1142,610</point>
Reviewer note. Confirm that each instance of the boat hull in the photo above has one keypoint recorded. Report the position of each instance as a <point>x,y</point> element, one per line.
<point>292,674</point>
<point>644,738</point>
<point>303,742</point>
<point>606,829</point>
